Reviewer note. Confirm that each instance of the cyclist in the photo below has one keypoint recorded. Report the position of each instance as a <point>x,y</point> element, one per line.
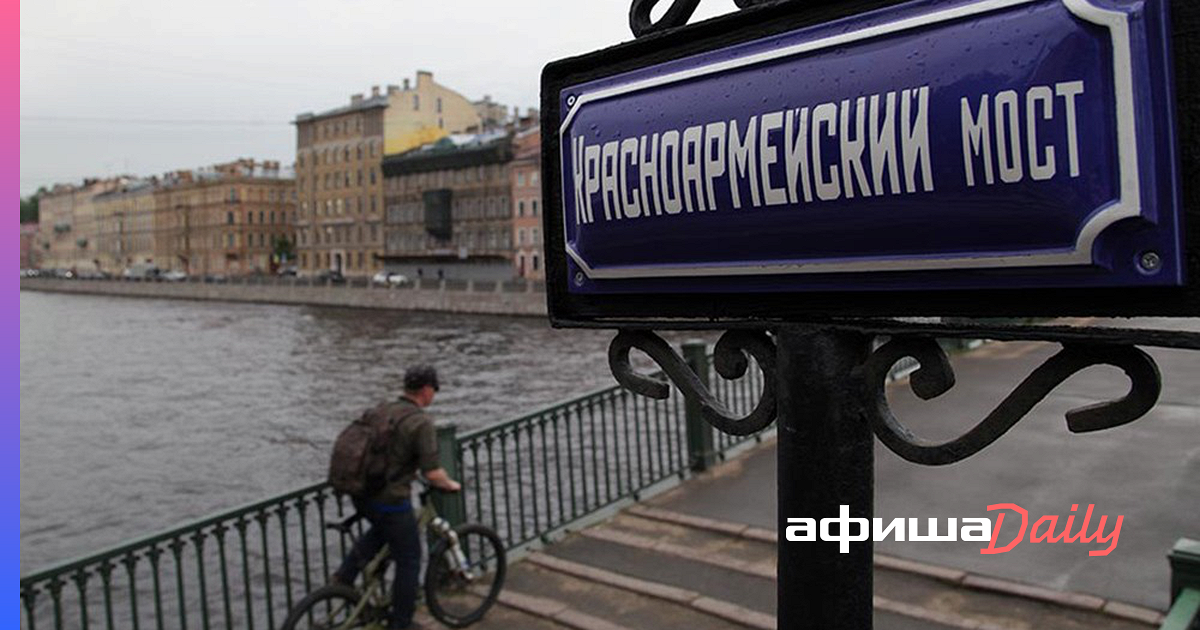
<point>390,511</point>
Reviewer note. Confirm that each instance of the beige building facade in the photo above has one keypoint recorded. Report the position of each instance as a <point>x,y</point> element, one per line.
<point>339,179</point>
<point>67,227</point>
<point>124,222</point>
<point>224,220</point>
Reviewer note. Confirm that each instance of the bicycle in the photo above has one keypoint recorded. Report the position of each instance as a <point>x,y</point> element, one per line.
<point>463,579</point>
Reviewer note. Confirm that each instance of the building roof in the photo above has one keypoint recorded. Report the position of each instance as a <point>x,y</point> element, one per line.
<point>453,151</point>
<point>363,105</point>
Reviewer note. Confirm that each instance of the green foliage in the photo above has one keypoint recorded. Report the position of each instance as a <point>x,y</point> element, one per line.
<point>284,249</point>
<point>29,209</point>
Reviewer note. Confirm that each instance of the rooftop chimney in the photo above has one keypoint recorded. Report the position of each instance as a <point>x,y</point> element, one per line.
<point>423,77</point>
<point>374,91</point>
<point>356,99</point>
<point>406,84</point>
<point>392,89</point>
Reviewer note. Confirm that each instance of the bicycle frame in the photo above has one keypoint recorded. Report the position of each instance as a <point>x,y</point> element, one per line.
<point>428,520</point>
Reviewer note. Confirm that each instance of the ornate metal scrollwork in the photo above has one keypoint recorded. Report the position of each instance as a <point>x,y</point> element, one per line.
<point>677,14</point>
<point>934,377</point>
<point>730,360</point>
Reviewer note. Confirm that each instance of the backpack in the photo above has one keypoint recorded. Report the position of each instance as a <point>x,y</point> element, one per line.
<point>359,463</point>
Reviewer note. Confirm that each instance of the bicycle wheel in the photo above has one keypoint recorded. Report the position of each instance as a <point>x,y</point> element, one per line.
<point>329,608</point>
<point>460,596</point>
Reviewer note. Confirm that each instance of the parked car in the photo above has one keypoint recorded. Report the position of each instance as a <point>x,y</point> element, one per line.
<point>331,275</point>
<point>390,278</point>
<point>289,270</point>
<point>141,272</point>
<point>175,275</point>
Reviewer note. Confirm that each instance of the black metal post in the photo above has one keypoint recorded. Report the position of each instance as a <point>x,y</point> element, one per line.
<point>701,454</point>
<point>826,460</point>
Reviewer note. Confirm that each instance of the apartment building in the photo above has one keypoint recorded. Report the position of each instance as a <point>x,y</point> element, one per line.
<point>227,219</point>
<point>529,257</point>
<point>449,209</point>
<point>67,224</point>
<point>124,223</point>
<point>339,156</point>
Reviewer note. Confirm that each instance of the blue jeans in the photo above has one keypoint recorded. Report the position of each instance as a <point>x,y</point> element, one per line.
<point>399,531</point>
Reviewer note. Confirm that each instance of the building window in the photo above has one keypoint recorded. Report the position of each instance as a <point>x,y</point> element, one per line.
<point>534,207</point>
<point>229,218</point>
<point>520,179</point>
<point>521,236</point>
<point>372,175</point>
<point>439,105</point>
<point>272,217</point>
<point>416,102</point>
<point>535,262</point>
<point>533,178</point>
<point>360,260</point>
<point>520,208</point>
<point>260,217</point>
<point>441,124</point>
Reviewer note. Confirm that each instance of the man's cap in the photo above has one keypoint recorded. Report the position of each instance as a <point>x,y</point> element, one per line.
<point>419,376</point>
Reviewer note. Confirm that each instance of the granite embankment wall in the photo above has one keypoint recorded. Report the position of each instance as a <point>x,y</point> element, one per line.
<point>492,299</point>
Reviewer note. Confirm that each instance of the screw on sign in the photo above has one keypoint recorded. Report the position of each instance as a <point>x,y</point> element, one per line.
<point>925,166</point>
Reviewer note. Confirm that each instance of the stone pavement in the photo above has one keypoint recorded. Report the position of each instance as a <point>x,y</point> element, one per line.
<point>1147,471</point>
<point>702,556</point>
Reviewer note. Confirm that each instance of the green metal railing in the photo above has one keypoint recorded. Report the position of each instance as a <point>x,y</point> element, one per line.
<point>242,568</point>
<point>1185,586</point>
<point>538,473</point>
<point>526,478</point>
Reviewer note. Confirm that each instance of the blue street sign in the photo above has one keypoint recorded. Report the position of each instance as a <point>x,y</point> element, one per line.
<point>930,145</point>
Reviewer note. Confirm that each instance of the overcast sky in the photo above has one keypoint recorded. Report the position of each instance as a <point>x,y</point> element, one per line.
<point>146,86</point>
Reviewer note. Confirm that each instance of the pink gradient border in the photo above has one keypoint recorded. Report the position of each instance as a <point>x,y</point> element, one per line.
<point>10,416</point>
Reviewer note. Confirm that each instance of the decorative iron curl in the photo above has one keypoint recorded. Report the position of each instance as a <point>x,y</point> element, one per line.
<point>730,360</point>
<point>677,15</point>
<point>935,377</point>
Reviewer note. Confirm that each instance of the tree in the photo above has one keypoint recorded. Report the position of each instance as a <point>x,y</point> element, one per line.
<point>29,206</point>
<point>284,249</point>
<point>29,209</point>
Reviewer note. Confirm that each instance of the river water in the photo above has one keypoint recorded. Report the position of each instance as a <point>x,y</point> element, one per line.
<point>140,414</point>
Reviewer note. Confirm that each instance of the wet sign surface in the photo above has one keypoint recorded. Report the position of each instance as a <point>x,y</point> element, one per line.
<point>927,146</point>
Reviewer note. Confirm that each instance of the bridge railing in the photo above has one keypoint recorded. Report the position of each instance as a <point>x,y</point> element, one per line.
<point>526,477</point>
<point>532,475</point>
<point>241,568</point>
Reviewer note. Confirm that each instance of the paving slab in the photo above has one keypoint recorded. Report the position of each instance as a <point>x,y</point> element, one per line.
<point>614,605</point>
<point>1148,472</point>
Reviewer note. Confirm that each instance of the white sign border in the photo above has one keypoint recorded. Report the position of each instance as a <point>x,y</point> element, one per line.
<point>1127,206</point>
